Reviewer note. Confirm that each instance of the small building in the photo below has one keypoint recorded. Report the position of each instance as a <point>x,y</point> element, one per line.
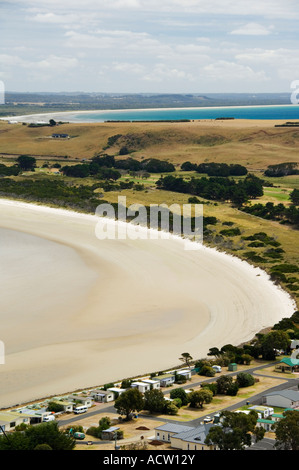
<point>232,367</point>
<point>142,387</point>
<point>282,399</point>
<point>109,434</point>
<point>265,423</point>
<point>288,365</point>
<point>36,415</point>
<point>10,419</point>
<point>166,379</point>
<point>67,405</point>
<point>60,136</point>
<point>264,411</point>
<point>277,417</point>
<point>185,373</point>
<point>154,384</point>
<point>85,401</point>
<point>102,396</point>
<point>117,391</point>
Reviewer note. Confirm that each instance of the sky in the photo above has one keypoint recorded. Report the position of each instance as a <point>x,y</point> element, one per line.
<point>149,46</point>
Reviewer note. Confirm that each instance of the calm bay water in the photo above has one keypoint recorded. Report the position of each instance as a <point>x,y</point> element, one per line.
<point>249,112</point>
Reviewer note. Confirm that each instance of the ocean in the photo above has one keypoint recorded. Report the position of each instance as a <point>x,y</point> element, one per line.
<point>237,112</point>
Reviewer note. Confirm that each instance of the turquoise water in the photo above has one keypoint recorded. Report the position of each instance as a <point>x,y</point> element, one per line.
<point>242,112</point>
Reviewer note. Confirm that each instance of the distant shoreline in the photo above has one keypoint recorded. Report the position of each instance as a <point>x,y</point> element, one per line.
<point>36,117</point>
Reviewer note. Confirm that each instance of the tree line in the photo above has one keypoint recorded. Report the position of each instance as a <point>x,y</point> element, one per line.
<point>280,212</point>
<point>215,188</point>
<point>216,169</point>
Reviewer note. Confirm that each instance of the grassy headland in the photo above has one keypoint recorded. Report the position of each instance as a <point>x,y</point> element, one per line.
<point>254,144</point>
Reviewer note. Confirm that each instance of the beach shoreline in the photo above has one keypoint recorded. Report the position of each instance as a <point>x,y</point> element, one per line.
<point>38,117</point>
<point>144,302</point>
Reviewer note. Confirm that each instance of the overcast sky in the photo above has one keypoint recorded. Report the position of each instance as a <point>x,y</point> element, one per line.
<point>165,46</point>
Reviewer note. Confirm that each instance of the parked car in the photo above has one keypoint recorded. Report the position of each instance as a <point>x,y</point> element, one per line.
<point>208,419</point>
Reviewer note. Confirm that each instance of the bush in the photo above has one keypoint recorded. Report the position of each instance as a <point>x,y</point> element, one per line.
<point>230,232</point>
<point>93,431</point>
<point>233,389</point>
<point>245,380</point>
<point>207,371</point>
<point>55,407</point>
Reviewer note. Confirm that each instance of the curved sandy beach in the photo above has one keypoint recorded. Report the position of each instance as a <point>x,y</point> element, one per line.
<point>79,312</point>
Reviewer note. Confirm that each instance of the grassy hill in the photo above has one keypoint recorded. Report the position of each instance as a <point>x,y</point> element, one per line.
<point>254,144</point>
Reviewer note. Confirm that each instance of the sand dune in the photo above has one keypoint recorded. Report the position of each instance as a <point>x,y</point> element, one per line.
<point>78,311</point>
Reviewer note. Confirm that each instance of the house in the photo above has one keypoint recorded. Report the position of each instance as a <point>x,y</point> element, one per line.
<point>166,379</point>
<point>116,391</point>
<point>277,417</point>
<point>35,414</point>
<point>10,419</point>
<point>154,384</point>
<point>265,423</point>
<point>84,401</point>
<point>184,437</point>
<point>60,136</point>
<point>142,387</point>
<point>102,396</point>
<point>67,405</point>
<point>282,399</point>
<point>263,411</point>
<point>184,372</point>
<point>288,364</point>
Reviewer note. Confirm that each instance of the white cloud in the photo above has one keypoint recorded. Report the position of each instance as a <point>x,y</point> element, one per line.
<point>253,29</point>
<point>231,71</point>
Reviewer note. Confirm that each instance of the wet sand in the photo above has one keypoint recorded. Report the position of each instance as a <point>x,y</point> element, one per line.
<point>79,312</point>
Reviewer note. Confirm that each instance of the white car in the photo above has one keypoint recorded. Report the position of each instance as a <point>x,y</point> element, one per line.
<point>208,419</point>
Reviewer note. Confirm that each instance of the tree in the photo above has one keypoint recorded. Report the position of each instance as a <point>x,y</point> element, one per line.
<point>199,397</point>
<point>179,393</point>
<point>287,431</point>
<point>26,163</point>
<point>33,436</point>
<point>154,401</point>
<point>43,447</point>
<point>294,196</point>
<point>223,384</point>
<point>245,380</point>
<point>53,406</point>
<point>214,352</point>
<point>273,341</point>
<point>104,423</point>
<point>206,370</point>
<point>233,389</point>
<point>129,401</point>
<point>186,358</point>
<point>235,432</point>
<point>52,122</point>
